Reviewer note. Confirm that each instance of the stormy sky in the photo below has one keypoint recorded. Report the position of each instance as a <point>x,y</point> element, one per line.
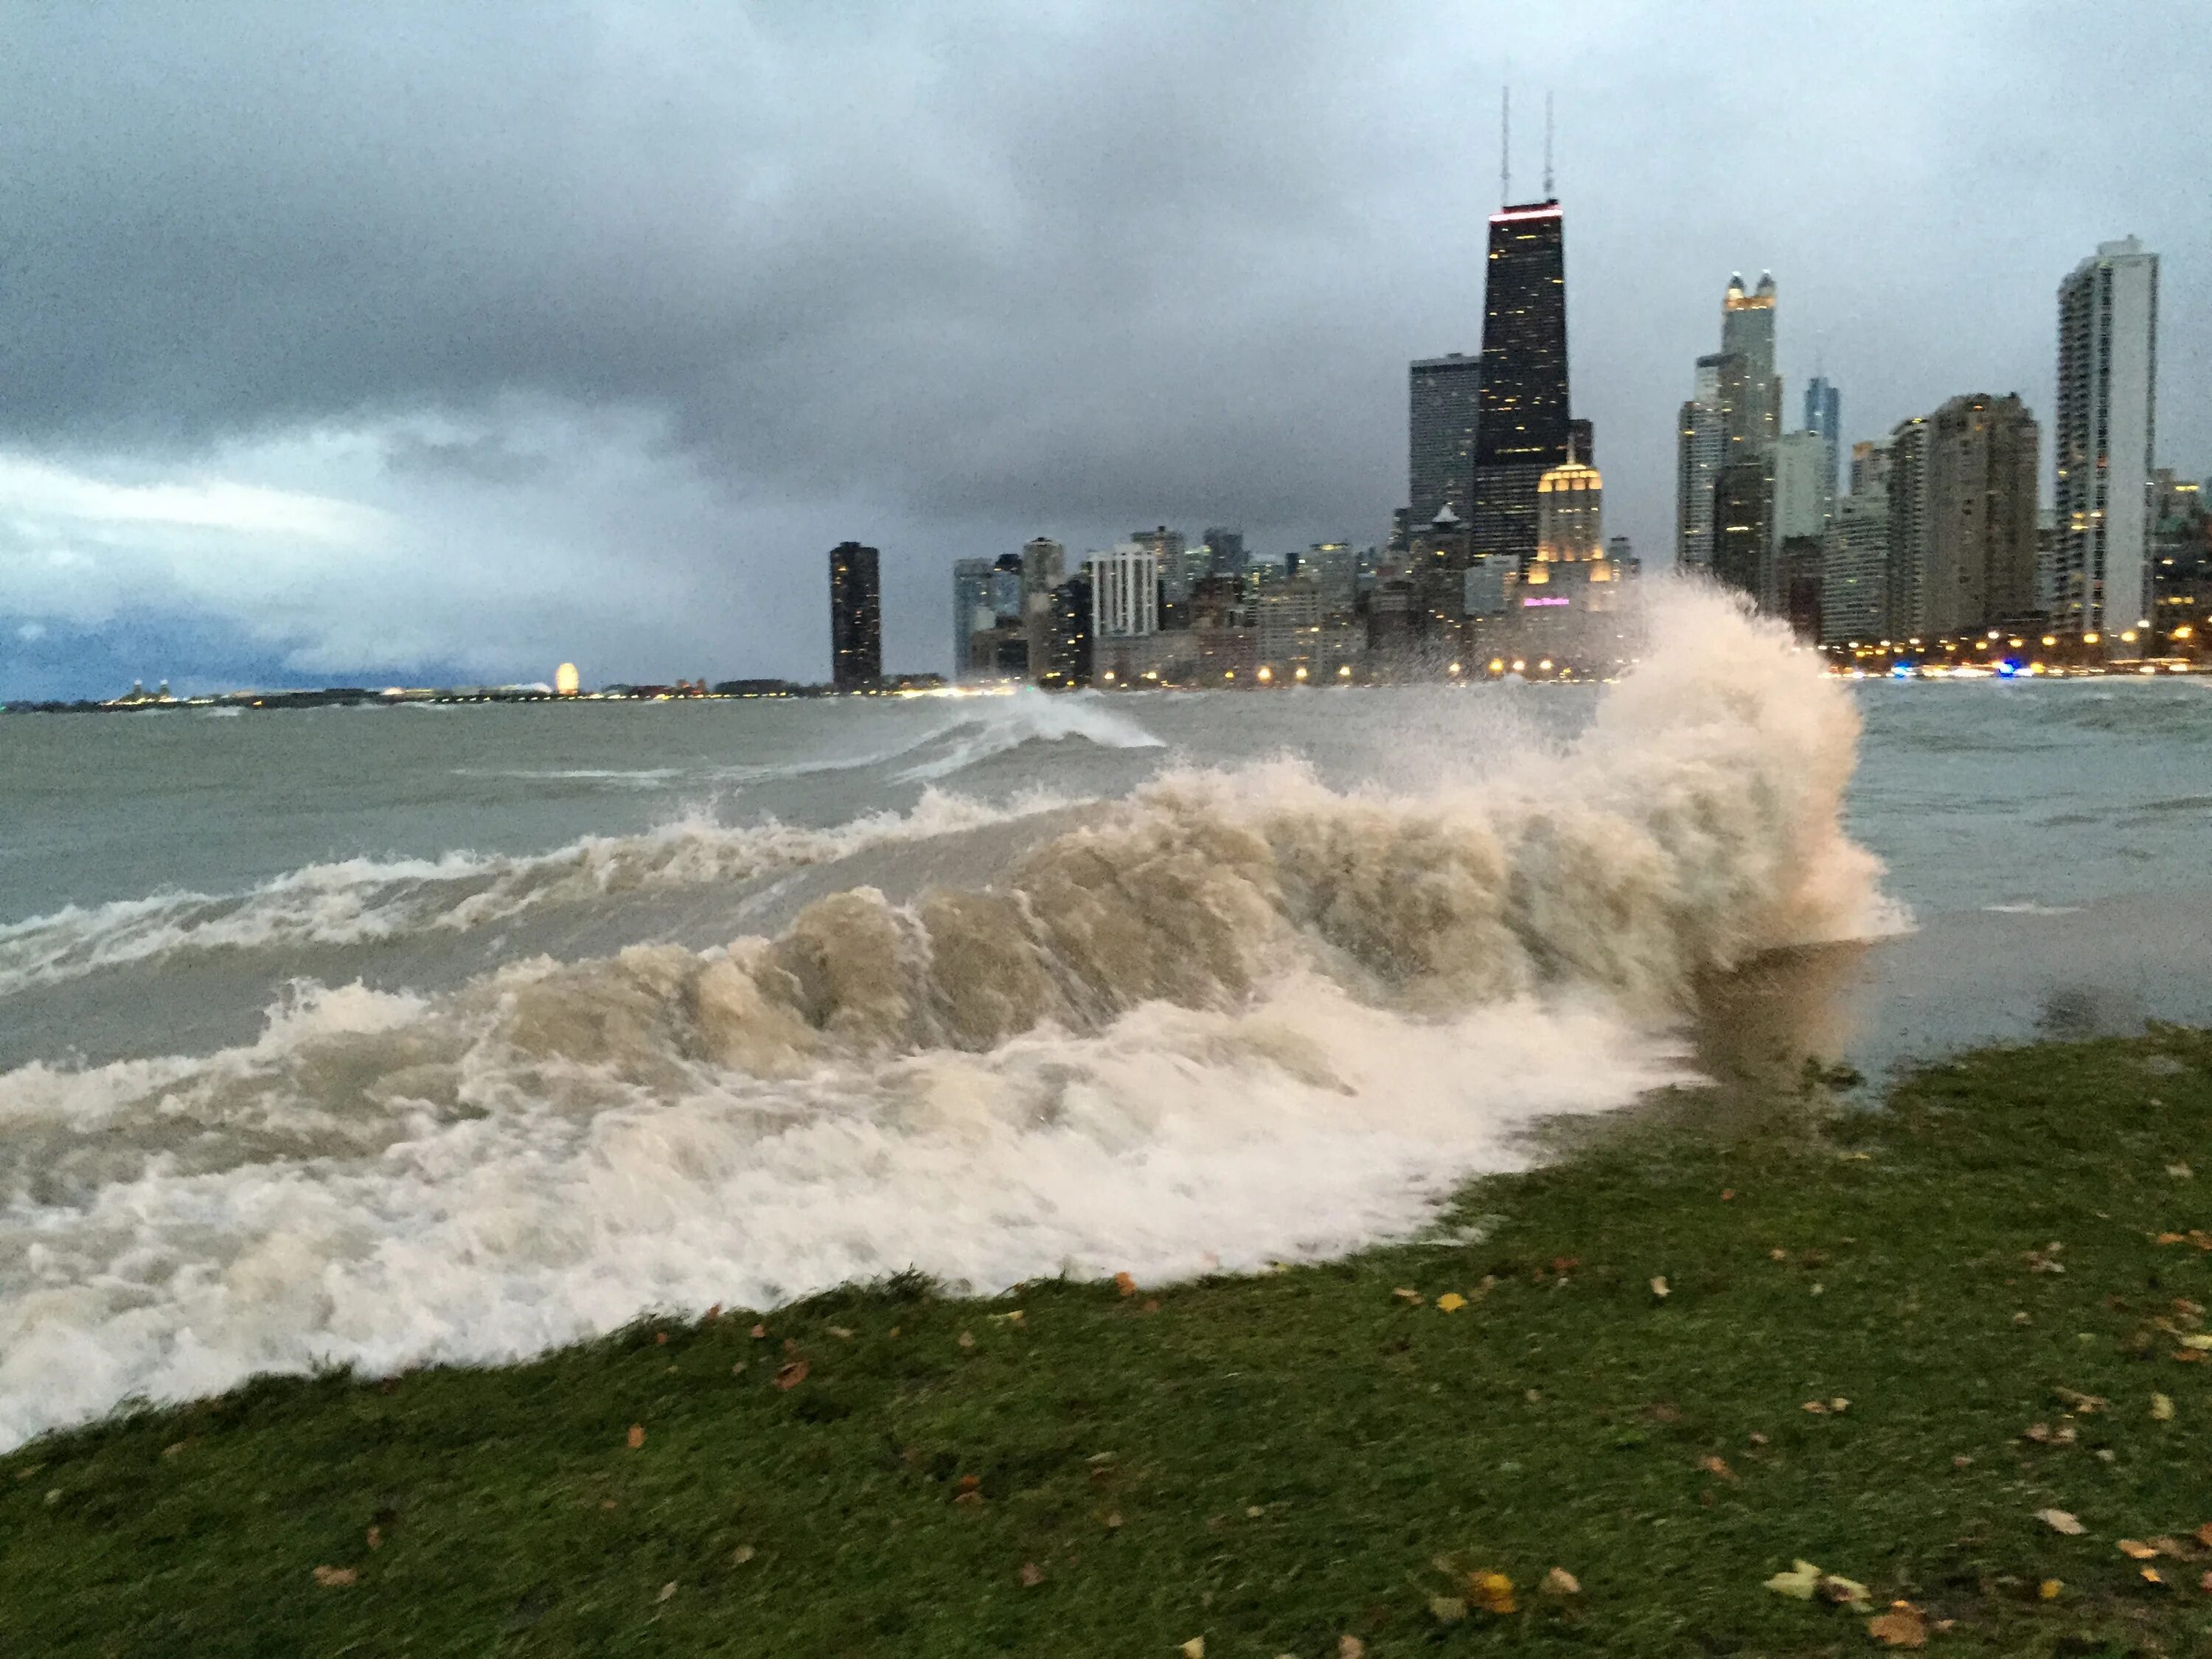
<point>369,343</point>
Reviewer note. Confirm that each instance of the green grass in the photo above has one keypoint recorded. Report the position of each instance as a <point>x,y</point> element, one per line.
<point>1275,1462</point>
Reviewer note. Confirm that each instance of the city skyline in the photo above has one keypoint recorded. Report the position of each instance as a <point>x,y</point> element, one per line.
<point>616,418</point>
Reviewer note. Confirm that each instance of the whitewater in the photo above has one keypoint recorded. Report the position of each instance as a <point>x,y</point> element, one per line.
<point>1036,992</point>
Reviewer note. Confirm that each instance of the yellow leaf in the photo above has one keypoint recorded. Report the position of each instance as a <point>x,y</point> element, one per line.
<point>1659,1285</point>
<point>1560,1582</point>
<point>1194,1648</point>
<point>2201,1342</point>
<point>1406,1294</point>
<point>1798,1583</point>
<point>2161,1408</point>
<point>1126,1284</point>
<point>2151,1575</point>
<point>2060,1521</point>
<point>2049,1588</point>
<point>1451,1302</point>
<point>1350,1647</point>
<point>2136,1550</point>
<point>1492,1591</point>
<point>1839,1404</point>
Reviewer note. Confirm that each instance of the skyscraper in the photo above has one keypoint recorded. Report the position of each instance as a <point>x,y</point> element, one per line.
<point>1979,539</point>
<point>1802,486</point>
<point>1905,480</point>
<point>1824,414</point>
<point>1224,552</point>
<point>856,617</point>
<point>1443,409</point>
<point>1044,566</point>
<point>1699,446</point>
<point>1855,571</point>
<point>2107,389</point>
<point>1570,514</point>
<point>972,611</point>
<point>1523,429</point>
<point>1747,331</point>
<point>1125,591</point>
<point>1166,547</point>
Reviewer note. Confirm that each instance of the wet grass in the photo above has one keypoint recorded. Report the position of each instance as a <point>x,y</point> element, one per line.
<point>1275,1463</point>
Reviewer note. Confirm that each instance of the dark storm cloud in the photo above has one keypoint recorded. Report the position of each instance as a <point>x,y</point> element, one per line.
<point>941,276</point>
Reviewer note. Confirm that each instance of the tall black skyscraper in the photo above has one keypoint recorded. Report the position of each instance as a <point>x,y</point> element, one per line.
<point>856,616</point>
<point>1525,415</point>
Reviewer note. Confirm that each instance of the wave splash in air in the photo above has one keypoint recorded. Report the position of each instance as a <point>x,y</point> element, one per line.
<point>1242,1018</point>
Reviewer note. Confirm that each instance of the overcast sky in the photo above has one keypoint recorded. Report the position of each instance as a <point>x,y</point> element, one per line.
<point>361,342</point>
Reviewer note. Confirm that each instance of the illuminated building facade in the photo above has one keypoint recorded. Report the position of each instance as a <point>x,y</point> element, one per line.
<point>1444,408</point>
<point>1524,426</point>
<point>1748,333</point>
<point>856,617</point>
<point>1905,481</point>
<point>1855,571</point>
<point>1824,414</point>
<point>1700,444</point>
<point>1570,514</point>
<point>2105,430</point>
<point>1044,566</point>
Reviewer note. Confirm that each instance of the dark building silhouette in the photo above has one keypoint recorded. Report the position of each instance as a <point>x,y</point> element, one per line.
<point>1980,543</point>
<point>1443,409</point>
<point>1525,420</point>
<point>1742,503</point>
<point>856,617</point>
<point>1067,664</point>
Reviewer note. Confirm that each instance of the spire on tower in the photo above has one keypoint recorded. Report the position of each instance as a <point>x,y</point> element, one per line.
<point>1505,146</point>
<point>1550,195</point>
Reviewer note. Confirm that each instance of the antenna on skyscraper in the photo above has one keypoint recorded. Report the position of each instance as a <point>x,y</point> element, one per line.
<point>1505,146</point>
<point>1549,193</point>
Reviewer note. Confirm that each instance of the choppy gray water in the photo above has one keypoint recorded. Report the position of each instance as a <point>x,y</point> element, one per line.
<point>391,1035</point>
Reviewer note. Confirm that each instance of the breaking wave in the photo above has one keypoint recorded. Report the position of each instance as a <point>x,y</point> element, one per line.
<point>1241,1017</point>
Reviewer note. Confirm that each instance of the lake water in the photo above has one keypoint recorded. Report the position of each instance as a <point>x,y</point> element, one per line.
<point>392,1035</point>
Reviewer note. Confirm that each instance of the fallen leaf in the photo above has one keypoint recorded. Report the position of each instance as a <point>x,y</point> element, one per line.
<point>1839,1404</point>
<point>667,1591</point>
<point>1125,1283</point>
<point>173,1450</point>
<point>660,1337</point>
<point>1032,1574</point>
<point>1799,1583</point>
<point>1113,1520</point>
<point>2180,1171</point>
<point>713,1314</point>
<point>1659,1285</point>
<point>742,1553</point>
<point>1777,1256</point>
<point>2151,1576</point>
<point>1194,1648</point>
<point>2204,1534</point>
<point>2205,1583</point>
<point>636,1436</point>
<point>790,1374</point>
<point>2088,1405</point>
<point>1151,1305</point>
<point>1902,1626</point>
<point>1559,1582</point>
<point>759,1331</point>
<point>1845,1592</point>
<point>1727,1192</point>
<point>2161,1408</point>
<point>336,1577</point>
<point>2172,1238</point>
<point>1350,1647</point>
<point>1448,1609</point>
<point>967,1339</point>
<point>2136,1550</point>
<point>1406,1294</point>
<point>1492,1591</point>
<point>2060,1521</point>
<point>1962,1462</point>
<point>2188,1356</point>
<point>1716,1466</point>
<point>2049,1588</point>
<point>841,1333</point>
<point>1451,1302</point>
<point>376,1538</point>
<point>2201,1342</point>
<point>1818,1408</point>
<point>1561,1264</point>
<point>2172,1546</point>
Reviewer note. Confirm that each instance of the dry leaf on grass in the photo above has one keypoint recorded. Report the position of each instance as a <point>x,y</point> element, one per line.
<point>1902,1626</point>
<point>667,1591</point>
<point>1659,1285</point>
<point>2136,1550</point>
<point>1845,1592</point>
<point>1448,1609</point>
<point>1451,1302</point>
<point>2204,1534</point>
<point>1492,1591</point>
<point>1194,1648</point>
<point>2161,1408</point>
<point>336,1577</point>
<point>1406,1294</point>
<point>2049,1588</point>
<point>636,1436</point>
<point>742,1553</point>
<point>376,1538</point>
<point>841,1333</point>
<point>759,1331</point>
<point>1560,1582</point>
<point>967,1339</point>
<point>1126,1284</point>
<point>2060,1521</point>
<point>1716,1466</point>
<point>790,1374</point>
<point>1350,1647</point>
<point>1032,1574</point>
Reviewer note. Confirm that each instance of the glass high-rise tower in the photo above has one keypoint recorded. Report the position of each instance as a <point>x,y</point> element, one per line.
<point>1444,407</point>
<point>856,617</point>
<point>2108,391</point>
<point>1525,412</point>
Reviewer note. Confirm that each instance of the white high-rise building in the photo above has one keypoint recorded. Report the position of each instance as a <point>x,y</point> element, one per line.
<point>1125,586</point>
<point>2105,432</point>
<point>1802,494</point>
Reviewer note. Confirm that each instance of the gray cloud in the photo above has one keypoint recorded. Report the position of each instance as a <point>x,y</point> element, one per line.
<point>634,311</point>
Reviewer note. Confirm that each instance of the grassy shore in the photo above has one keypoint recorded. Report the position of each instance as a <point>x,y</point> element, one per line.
<point>1275,1464</point>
